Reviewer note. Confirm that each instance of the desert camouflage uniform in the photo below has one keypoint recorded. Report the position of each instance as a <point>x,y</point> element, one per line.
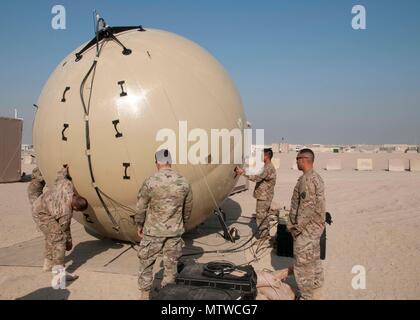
<point>307,223</point>
<point>264,193</point>
<point>52,213</point>
<point>164,205</point>
<point>36,185</point>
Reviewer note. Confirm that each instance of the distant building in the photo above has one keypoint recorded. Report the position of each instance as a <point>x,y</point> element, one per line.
<point>10,149</point>
<point>366,148</point>
<point>299,147</point>
<point>284,148</point>
<point>412,149</point>
<point>350,149</point>
<point>27,147</point>
<point>275,147</point>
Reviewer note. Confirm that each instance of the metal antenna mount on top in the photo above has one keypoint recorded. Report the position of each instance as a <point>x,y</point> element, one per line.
<point>104,31</point>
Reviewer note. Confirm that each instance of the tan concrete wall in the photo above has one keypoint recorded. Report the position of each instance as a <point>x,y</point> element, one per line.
<point>10,149</point>
<point>396,165</point>
<point>333,164</point>
<point>349,160</point>
<point>415,165</point>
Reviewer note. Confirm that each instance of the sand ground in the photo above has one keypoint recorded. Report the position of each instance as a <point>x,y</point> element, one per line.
<point>376,221</point>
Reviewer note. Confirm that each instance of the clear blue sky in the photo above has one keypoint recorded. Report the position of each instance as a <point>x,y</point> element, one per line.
<point>303,73</point>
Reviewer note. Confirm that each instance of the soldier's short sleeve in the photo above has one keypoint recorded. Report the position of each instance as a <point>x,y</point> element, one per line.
<point>188,204</point>
<point>320,196</point>
<point>260,177</point>
<point>143,199</point>
<point>294,203</point>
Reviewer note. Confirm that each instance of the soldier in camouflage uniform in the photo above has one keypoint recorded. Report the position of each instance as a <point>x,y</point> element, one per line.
<point>264,193</point>
<point>164,206</point>
<point>307,223</point>
<point>52,212</point>
<point>36,185</point>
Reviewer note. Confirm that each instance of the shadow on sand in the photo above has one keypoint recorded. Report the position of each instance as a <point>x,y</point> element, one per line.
<point>232,210</point>
<point>84,251</point>
<point>211,226</point>
<point>47,294</point>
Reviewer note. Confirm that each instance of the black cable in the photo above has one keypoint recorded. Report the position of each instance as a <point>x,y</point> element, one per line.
<point>116,227</point>
<point>219,268</point>
<point>232,250</point>
<point>82,86</point>
<point>124,207</point>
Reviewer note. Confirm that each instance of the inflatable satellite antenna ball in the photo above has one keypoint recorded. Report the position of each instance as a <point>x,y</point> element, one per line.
<point>101,109</point>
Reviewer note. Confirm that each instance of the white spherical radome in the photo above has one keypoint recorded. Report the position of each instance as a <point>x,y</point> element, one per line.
<point>100,115</point>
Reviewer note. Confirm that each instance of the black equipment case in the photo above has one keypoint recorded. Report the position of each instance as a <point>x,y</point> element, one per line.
<point>285,240</point>
<point>182,292</point>
<point>197,282</point>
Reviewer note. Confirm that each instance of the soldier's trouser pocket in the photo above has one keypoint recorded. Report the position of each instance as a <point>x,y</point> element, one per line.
<point>262,216</point>
<point>42,222</point>
<point>149,248</point>
<point>172,251</point>
<point>306,252</point>
<point>148,252</point>
<point>55,241</point>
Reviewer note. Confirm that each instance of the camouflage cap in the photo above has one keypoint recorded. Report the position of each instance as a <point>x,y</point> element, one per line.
<point>163,156</point>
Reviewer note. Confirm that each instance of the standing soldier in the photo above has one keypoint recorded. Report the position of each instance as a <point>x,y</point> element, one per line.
<point>164,206</point>
<point>307,223</point>
<point>52,213</point>
<point>36,185</point>
<point>264,193</point>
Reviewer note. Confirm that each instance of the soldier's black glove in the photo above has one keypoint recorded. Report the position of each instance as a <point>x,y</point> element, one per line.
<point>69,245</point>
<point>328,218</point>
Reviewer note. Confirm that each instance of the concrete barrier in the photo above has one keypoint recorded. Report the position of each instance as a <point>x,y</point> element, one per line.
<point>396,165</point>
<point>364,165</point>
<point>415,165</point>
<point>275,147</point>
<point>284,148</point>
<point>333,164</point>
